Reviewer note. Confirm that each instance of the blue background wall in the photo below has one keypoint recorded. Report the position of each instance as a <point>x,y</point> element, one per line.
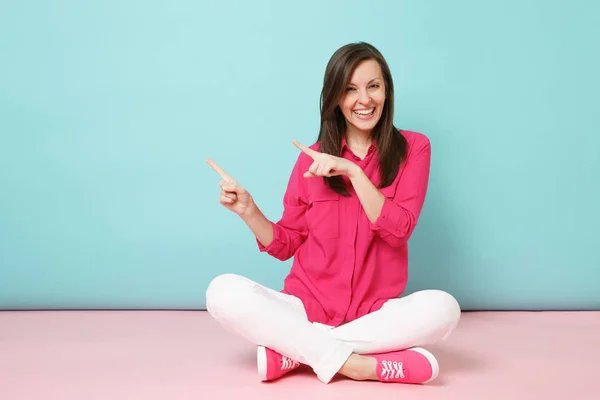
<point>107,112</point>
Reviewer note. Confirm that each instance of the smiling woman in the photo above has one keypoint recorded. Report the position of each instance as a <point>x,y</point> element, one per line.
<point>364,98</point>
<point>352,202</point>
<point>358,107</point>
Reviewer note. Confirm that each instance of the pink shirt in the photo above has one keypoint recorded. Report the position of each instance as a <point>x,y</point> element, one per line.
<point>344,266</point>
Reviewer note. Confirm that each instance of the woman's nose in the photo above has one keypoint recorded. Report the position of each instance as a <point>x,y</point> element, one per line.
<point>363,97</point>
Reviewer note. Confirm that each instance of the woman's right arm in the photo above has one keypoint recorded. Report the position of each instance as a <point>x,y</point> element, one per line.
<point>281,239</point>
<point>260,226</point>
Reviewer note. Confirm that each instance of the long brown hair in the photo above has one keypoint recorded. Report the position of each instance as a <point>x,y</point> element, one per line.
<point>391,145</point>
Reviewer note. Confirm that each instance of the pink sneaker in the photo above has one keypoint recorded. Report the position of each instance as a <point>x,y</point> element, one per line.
<point>272,365</point>
<point>414,365</point>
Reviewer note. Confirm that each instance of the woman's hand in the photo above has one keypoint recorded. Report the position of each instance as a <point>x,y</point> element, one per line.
<point>326,164</point>
<point>233,196</point>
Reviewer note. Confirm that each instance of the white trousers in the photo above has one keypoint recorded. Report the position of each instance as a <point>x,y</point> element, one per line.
<point>278,321</point>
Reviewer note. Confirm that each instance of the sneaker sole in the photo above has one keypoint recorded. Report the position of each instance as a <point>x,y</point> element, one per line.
<point>435,367</point>
<point>261,362</point>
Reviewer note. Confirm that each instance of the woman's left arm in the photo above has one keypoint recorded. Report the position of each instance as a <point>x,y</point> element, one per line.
<point>395,219</point>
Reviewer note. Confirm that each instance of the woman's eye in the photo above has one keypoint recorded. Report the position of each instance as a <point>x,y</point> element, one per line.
<point>350,89</point>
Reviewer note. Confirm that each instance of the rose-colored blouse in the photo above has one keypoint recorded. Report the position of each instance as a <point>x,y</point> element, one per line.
<point>345,266</point>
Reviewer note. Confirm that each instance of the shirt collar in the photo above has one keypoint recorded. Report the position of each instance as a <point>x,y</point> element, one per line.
<point>346,147</point>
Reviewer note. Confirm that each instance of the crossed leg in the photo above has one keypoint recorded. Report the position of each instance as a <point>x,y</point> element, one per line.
<point>278,321</point>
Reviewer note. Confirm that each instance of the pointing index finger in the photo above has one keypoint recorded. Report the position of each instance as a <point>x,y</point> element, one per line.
<point>307,150</point>
<point>220,170</point>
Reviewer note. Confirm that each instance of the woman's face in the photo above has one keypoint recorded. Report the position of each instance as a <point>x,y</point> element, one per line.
<point>364,97</point>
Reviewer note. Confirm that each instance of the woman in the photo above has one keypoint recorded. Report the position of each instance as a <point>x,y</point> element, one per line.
<point>351,204</point>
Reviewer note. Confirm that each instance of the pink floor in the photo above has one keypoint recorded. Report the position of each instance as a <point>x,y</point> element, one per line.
<point>186,355</point>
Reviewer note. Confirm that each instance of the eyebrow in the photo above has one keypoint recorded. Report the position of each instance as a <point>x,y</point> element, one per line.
<point>371,81</point>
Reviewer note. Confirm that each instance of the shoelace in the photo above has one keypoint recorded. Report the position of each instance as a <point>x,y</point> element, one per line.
<point>288,363</point>
<point>391,370</point>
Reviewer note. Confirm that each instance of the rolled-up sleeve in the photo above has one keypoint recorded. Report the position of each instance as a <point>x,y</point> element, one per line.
<point>291,230</point>
<point>400,213</point>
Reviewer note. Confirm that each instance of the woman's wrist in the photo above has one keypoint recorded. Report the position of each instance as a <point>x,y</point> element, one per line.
<point>354,172</point>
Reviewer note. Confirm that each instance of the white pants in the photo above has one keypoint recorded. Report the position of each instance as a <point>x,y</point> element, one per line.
<point>278,321</point>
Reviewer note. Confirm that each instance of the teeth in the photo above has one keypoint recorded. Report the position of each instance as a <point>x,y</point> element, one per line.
<point>364,112</point>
